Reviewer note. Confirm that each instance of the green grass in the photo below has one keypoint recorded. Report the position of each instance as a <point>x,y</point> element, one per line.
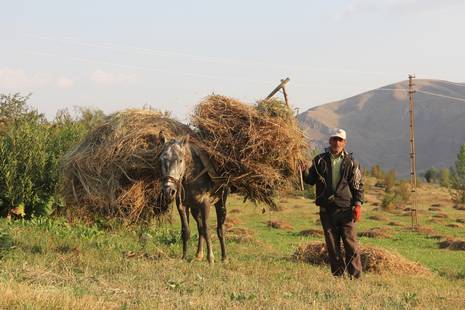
<point>50,264</point>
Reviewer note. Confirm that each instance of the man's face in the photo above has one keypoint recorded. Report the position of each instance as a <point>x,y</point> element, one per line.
<point>336,144</point>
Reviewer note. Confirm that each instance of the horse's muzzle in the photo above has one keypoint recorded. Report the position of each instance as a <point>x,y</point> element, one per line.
<point>169,191</point>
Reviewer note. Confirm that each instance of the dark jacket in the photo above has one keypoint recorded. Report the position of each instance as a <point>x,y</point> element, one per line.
<point>349,190</point>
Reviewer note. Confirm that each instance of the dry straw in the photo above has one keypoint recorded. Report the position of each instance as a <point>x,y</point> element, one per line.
<point>115,171</point>
<point>374,260</point>
<point>256,150</point>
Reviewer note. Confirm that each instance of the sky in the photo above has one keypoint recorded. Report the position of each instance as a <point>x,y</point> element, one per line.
<point>116,54</point>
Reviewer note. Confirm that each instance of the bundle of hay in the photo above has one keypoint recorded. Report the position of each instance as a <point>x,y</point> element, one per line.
<point>115,171</point>
<point>452,244</point>
<point>256,149</point>
<point>376,232</point>
<point>373,259</point>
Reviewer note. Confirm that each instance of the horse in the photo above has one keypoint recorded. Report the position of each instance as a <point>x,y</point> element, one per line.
<point>187,179</point>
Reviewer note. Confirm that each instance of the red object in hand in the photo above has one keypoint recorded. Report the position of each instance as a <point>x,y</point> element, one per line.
<point>357,213</point>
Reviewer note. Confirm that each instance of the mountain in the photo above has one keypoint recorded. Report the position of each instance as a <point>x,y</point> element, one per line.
<point>377,124</point>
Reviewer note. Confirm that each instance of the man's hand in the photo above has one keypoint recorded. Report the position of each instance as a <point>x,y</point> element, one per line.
<point>304,166</point>
<point>357,213</point>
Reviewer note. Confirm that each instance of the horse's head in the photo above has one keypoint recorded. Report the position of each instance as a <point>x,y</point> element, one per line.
<point>173,160</point>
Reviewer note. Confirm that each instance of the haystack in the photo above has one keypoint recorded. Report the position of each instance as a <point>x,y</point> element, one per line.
<point>376,232</point>
<point>374,260</point>
<point>115,171</point>
<point>256,149</point>
<point>452,244</point>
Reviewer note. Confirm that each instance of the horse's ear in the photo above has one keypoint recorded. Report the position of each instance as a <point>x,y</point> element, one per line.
<point>185,139</point>
<point>161,136</point>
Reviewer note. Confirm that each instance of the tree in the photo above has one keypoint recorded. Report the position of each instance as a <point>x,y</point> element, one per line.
<point>457,180</point>
<point>377,172</point>
<point>432,175</point>
<point>390,180</point>
<point>444,177</point>
<point>403,191</point>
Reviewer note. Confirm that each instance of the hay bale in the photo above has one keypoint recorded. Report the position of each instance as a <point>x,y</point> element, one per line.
<point>459,207</point>
<point>452,244</point>
<point>394,223</point>
<point>378,217</point>
<point>234,211</point>
<point>279,225</point>
<point>311,233</point>
<point>440,216</point>
<point>460,221</point>
<point>231,222</point>
<point>240,235</point>
<point>374,260</point>
<point>376,232</point>
<point>424,230</point>
<point>434,209</point>
<point>115,171</point>
<point>454,225</point>
<point>255,149</point>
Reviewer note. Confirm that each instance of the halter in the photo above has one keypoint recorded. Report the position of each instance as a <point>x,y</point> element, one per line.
<point>178,184</point>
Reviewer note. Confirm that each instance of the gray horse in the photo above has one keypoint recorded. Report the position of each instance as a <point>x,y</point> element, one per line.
<point>187,178</point>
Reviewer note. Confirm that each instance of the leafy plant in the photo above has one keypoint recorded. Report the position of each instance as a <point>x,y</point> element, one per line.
<point>31,148</point>
<point>457,181</point>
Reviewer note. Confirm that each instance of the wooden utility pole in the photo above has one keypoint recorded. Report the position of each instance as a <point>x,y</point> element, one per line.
<point>413,164</point>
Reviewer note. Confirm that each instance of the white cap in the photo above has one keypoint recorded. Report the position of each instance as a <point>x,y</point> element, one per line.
<point>338,132</point>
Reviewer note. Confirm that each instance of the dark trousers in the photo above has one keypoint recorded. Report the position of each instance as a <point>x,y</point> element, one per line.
<point>338,224</point>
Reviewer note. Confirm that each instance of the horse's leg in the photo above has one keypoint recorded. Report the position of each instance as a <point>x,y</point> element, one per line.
<point>220,207</point>
<point>205,210</point>
<point>196,215</point>
<point>184,226</point>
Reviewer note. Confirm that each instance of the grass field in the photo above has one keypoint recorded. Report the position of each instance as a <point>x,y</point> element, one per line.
<point>51,264</point>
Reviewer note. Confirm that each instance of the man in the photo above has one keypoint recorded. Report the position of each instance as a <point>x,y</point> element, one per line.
<point>339,194</point>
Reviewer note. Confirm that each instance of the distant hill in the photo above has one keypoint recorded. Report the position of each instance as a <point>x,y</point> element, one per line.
<point>377,124</point>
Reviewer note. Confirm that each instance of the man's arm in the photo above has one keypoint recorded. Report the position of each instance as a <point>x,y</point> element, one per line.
<point>310,175</point>
<point>356,185</point>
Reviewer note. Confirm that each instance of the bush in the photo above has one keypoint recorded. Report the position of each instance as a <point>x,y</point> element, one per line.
<point>403,191</point>
<point>457,181</point>
<point>30,152</point>
<point>377,172</point>
<point>390,180</point>
<point>444,177</point>
<point>432,175</point>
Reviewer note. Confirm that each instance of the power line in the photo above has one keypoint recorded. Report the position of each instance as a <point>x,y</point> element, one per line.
<point>452,83</point>
<point>424,92</point>
<point>439,95</point>
<point>151,51</point>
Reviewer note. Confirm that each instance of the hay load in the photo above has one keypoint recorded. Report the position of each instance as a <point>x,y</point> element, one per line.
<point>256,150</point>
<point>115,171</point>
<point>374,260</point>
